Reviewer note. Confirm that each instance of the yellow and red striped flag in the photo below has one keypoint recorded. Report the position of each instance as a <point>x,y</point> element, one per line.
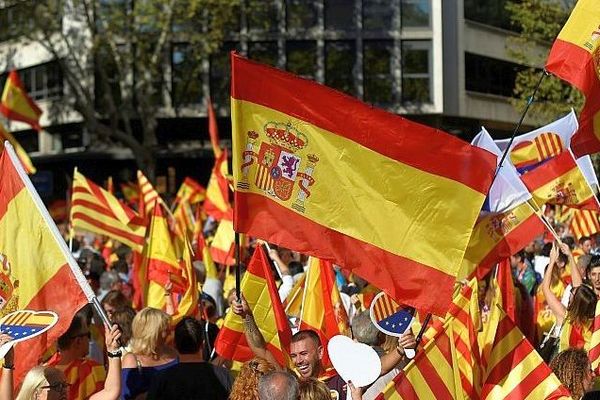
<point>529,154</point>
<point>190,192</point>
<point>95,210</point>
<point>161,261</point>
<point>213,130</point>
<point>594,351</point>
<point>322,307</point>
<point>293,302</point>
<point>185,220</point>
<point>187,302</point>
<point>131,193</point>
<point>514,369</point>
<point>584,223</point>
<point>16,103</point>
<point>84,376</point>
<point>38,271</point>
<point>297,188</point>
<point>498,236</point>
<point>217,203</point>
<point>223,244</point>
<point>560,181</point>
<point>260,291</point>
<point>148,195</point>
<point>21,153</point>
<point>574,58</point>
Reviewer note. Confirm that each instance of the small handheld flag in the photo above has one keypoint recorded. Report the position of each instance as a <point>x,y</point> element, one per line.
<point>392,318</point>
<point>25,324</point>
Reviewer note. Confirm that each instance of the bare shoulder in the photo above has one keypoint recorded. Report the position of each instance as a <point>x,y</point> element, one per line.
<point>128,361</point>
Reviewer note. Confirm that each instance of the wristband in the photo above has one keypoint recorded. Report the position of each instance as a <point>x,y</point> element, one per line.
<point>115,354</point>
<point>5,366</point>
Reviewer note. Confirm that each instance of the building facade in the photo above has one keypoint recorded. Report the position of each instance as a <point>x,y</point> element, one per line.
<point>443,63</point>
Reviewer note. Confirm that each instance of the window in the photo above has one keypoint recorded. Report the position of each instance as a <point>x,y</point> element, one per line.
<point>186,77</point>
<point>377,15</point>
<point>340,58</point>
<point>415,13</point>
<point>377,72</point>
<point>262,15</point>
<point>339,14</point>
<point>416,78</point>
<point>302,58</point>
<point>44,81</point>
<point>264,52</point>
<point>301,14</point>
<point>489,75</point>
<point>492,13</point>
<point>220,74</point>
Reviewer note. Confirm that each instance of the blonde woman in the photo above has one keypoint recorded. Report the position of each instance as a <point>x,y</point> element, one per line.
<point>149,352</point>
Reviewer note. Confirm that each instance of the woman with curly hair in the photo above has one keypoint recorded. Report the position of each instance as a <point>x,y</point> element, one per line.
<point>572,367</point>
<point>245,386</point>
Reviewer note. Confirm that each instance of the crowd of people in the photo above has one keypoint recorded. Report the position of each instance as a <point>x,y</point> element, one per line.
<point>145,355</point>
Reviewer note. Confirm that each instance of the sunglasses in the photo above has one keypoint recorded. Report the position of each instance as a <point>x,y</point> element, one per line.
<point>57,387</point>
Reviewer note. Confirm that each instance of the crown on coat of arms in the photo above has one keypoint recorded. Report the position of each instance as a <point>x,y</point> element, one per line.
<point>286,136</point>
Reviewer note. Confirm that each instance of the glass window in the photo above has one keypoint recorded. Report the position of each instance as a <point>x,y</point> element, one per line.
<point>416,78</point>
<point>264,52</point>
<point>377,71</point>
<point>492,13</point>
<point>339,14</point>
<point>44,81</point>
<point>220,74</point>
<point>415,13</point>
<point>490,75</point>
<point>377,15</point>
<point>340,58</point>
<point>301,14</point>
<point>262,15</point>
<point>186,77</point>
<point>302,58</point>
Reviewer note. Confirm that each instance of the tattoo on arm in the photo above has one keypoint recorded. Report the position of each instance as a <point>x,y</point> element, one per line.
<point>253,335</point>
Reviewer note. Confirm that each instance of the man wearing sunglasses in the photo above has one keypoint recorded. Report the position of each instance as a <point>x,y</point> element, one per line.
<point>84,376</point>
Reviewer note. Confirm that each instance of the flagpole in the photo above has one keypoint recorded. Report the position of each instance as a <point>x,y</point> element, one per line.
<point>542,218</point>
<point>237,266</point>
<point>512,138</point>
<point>421,333</point>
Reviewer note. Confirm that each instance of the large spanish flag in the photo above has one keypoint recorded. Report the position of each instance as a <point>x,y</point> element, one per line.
<point>260,291</point>
<point>16,103</point>
<point>21,153</point>
<point>324,174</point>
<point>94,209</point>
<point>560,181</point>
<point>38,271</point>
<point>498,236</point>
<point>575,58</point>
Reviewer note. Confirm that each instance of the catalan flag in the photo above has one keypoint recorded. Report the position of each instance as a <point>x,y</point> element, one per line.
<point>21,153</point>
<point>95,210</point>
<point>16,103</point>
<point>584,223</point>
<point>560,181</point>
<point>213,130</point>
<point>515,370</point>
<point>574,58</point>
<point>313,170</point>
<point>498,236</point>
<point>260,291</point>
<point>594,351</point>
<point>389,316</point>
<point>84,376</point>
<point>322,308</point>
<point>148,195</point>
<point>38,271</point>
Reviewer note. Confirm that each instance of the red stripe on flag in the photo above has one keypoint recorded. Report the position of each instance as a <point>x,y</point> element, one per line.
<point>380,131</point>
<point>11,186</point>
<point>115,231</point>
<point>429,371</point>
<point>530,382</point>
<point>355,255</point>
<point>546,173</point>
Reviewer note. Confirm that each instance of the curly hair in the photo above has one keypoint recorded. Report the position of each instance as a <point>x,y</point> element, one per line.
<point>570,367</point>
<point>314,389</point>
<point>245,386</point>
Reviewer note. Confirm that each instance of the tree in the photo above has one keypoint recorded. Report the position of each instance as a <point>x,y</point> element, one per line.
<point>539,22</point>
<point>115,57</point>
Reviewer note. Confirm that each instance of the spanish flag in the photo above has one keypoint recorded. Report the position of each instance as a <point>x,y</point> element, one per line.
<point>560,181</point>
<point>190,192</point>
<point>21,153</point>
<point>222,246</point>
<point>322,307</point>
<point>258,286</point>
<point>93,209</point>
<point>498,236</point>
<point>38,271</point>
<point>16,103</point>
<point>514,369</point>
<point>213,130</point>
<point>326,175</point>
<point>574,57</point>
<point>217,203</point>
